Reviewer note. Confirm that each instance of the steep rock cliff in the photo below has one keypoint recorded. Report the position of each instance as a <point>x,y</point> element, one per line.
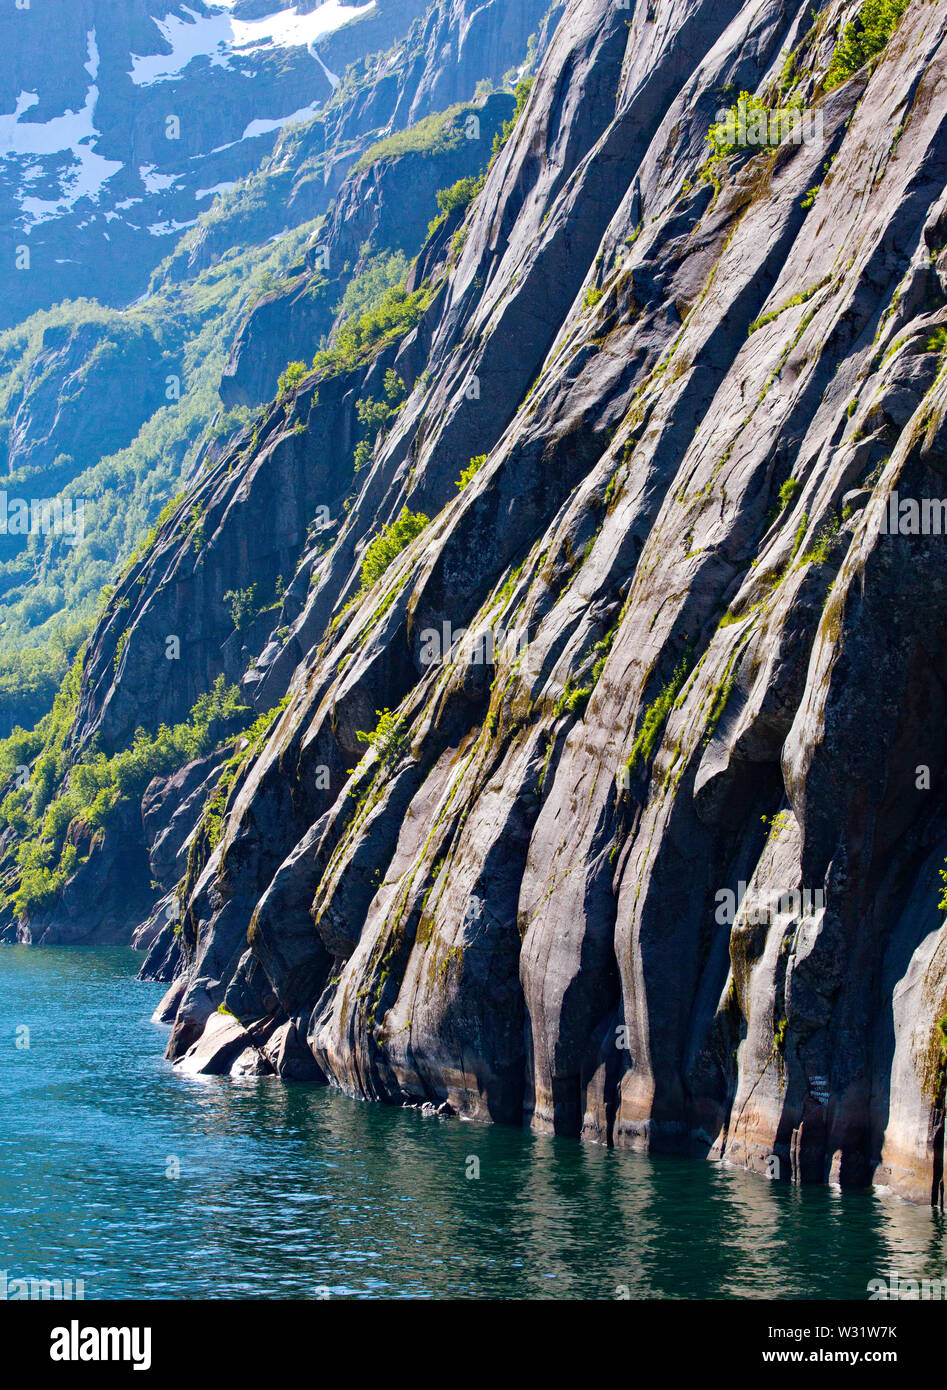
<point>655,864</point>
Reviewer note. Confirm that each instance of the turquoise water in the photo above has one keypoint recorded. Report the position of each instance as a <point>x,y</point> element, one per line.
<point>296,1192</point>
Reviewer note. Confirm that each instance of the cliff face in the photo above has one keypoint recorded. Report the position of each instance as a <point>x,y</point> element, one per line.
<point>387,206</point>
<point>656,862</point>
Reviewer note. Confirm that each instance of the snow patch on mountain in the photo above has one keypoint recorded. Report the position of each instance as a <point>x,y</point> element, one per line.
<point>155,182</point>
<point>72,134</point>
<point>217,188</point>
<point>169,227</point>
<point>219,36</point>
<point>264,127</point>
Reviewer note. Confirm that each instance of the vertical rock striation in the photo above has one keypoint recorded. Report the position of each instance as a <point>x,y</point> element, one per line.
<point>661,869</point>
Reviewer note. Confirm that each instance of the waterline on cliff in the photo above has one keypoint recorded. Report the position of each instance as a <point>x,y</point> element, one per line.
<point>145,1183</point>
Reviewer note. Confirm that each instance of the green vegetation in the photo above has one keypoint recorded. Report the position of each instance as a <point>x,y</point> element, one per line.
<point>96,784</point>
<point>360,338</point>
<point>376,415</point>
<point>388,738</point>
<point>50,589</point>
<point>942,901</point>
<point>822,544</point>
<point>243,606</point>
<point>863,39</point>
<point>937,341</point>
<point>215,808</point>
<point>30,677</point>
<point>295,373</point>
<point>229,421</point>
<point>460,195</point>
<point>749,113</point>
<point>800,298</point>
<point>749,126</point>
<point>654,717</point>
<point>368,289</point>
<point>472,469</point>
<point>574,699</point>
<point>389,543</point>
<point>593,296</point>
<point>789,492</point>
<point>436,134</point>
<point>522,92</point>
<point>800,533</point>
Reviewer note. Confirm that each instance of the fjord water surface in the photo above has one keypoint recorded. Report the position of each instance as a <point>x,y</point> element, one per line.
<point>298,1192</point>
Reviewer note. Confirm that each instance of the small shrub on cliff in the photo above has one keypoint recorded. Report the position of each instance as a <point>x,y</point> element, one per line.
<point>459,196</point>
<point>120,646</point>
<point>749,126</point>
<point>387,738</point>
<point>197,520</point>
<point>863,39</point>
<point>825,539</point>
<point>389,543</point>
<point>472,469</point>
<point>243,606</point>
<point>295,373</point>
<point>789,492</point>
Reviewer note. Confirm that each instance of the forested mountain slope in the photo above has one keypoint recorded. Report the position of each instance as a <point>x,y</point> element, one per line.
<point>113,406</point>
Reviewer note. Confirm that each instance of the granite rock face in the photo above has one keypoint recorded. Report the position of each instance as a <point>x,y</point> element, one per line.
<point>656,862</point>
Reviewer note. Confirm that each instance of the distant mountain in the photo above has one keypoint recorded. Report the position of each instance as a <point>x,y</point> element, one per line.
<point>119,122</point>
<point>117,404</point>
